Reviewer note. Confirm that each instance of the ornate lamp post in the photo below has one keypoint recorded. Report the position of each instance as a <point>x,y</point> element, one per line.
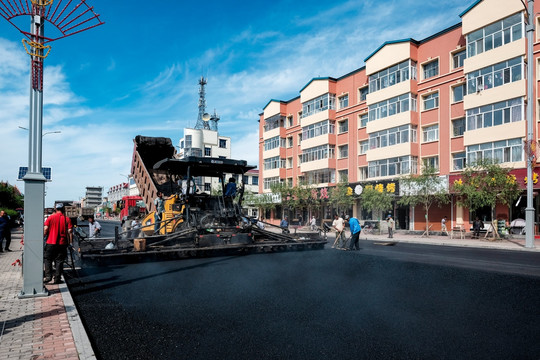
<point>69,17</point>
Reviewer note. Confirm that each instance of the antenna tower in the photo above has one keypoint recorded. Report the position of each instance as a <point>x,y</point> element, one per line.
<point>204,120</point>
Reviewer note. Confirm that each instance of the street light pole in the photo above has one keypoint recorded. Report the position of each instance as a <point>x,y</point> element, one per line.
<point>529,211</point>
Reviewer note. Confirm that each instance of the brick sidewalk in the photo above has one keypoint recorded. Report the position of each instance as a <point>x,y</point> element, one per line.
<point>41,327</point>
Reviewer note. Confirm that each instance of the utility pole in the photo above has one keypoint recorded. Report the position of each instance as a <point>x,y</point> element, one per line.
<point>529,211</point>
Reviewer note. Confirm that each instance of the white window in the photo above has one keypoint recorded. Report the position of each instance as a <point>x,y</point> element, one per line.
<point>499,151</point>
<point>431,101</point>
<point>458,59</point>
<point>495,35</point>
<point>289,142</point>
<point>321,103</point>
<point>364,146</point>
<point>431,69</point>
<point>289,163</point>
<point>430,133</point>
<point>207,151</point>
<point>343,175</point>
<point>403,71</point>
<point>458,127</point>
<point>344,101</point>
<point>458,161</point>
<point>343,151</point>
<point>363,120</point>
<point>362,93</point>
<point>289,122</point>
<point>432,162</point>
<point>392,106</point>
<point>343,126</point>
<point>497,75</point>
<point>363,173</point>
<point>503,112</point>
<point>457,93</point>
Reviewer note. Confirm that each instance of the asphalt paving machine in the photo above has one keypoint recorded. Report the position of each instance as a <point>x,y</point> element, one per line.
<point>197,222</point>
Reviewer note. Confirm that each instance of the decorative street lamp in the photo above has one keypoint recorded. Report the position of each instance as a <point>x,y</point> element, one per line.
<point>70,18</point>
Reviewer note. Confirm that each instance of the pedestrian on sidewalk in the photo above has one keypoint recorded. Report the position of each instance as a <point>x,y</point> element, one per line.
<point>313,223</point>
<point>391,226</point>
<point>4,228</point>
<point>477,225</point>
<point>338,225</point>
<point>354,225</point>
<point>59,233</point>
<point>443,227</point>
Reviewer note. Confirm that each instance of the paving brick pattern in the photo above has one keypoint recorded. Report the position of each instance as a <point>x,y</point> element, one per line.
<point>32,328</point>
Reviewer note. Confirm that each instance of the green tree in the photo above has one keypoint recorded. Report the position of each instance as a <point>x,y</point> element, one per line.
<point>10,197</point>
<point>486,183</point>
<point>341,198</point>
<point>425,189</point>
<point>376,198</point>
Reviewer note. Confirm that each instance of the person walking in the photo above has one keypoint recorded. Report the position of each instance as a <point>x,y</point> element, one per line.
<point>4,229</point>
<point>313,223</point>
<point>477,225</point>
<point>338,225</point>
<point>391,226</point>
<point>354,225</point>
<point>444,231</point>
<point>284,225</point>
<point>59,233</point>
<point>94,228</point>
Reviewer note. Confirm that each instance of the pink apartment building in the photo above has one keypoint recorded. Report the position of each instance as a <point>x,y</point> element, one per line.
<point>447,100</point>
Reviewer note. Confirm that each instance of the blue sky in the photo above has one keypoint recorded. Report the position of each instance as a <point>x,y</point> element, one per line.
<point>138,73</point>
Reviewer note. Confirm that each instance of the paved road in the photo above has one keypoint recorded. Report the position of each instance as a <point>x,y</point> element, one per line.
<point>327,304</point>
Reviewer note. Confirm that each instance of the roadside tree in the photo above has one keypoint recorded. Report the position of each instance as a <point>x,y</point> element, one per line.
<point>425,189</point>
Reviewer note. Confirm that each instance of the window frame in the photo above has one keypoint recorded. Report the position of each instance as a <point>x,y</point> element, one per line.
<point>463,92</point>
<point>432,95</point>
<point>430,130</point>
<point>453,57</point>
<point>430,72</point>
<point>344,98</point>
<point>464,121</point>
<point>340,125</point>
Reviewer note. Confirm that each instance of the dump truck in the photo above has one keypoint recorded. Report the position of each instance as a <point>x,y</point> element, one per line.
<point>196,221</point>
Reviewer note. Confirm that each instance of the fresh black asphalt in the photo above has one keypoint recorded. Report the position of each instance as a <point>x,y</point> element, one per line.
<point>320,304</point>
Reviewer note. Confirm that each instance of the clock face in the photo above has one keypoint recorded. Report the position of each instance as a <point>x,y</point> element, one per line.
<point>358,189</point>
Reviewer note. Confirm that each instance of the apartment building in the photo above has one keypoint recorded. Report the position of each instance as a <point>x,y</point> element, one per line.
<point>447,100</point>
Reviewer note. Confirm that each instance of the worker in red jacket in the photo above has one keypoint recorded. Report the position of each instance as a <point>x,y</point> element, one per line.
<point>59,233</point>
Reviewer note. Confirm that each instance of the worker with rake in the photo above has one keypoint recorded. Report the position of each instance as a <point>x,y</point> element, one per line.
<point>339,226</point>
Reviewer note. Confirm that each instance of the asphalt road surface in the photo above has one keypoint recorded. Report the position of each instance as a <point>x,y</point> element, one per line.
<point>400,302</point>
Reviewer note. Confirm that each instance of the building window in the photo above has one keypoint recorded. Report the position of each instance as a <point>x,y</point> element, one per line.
<point>364,146</point>
<point>320,177</point>
<point>207,151</point>
<point>188,141</point>
<point>395,166</point>
<point>274,163</point>
<point>223,143</point>
<point>318,153</point>
<point>458,161</point>
<point>497,75</point>
<point>299,138</point>
<point>430,133</point>
<point>395,105</point>
<point>343,175</point>
<point>363,173</point>
<point>268,182</point>
<point>458,127</point>
<point>495,35</point>
<point>273,143</point>
<point>363,120</point>
<point>273,122</point>
<point>343,151</point>
<point>499,151</point>
<point>289,142</point>
<point>343,126</point>
<point>321,103</point>
<point>431,162</point>
<point>393,136</point>
<point>289,163</point>
<point>289,182</point>
<point>457,93</point>
<point>207,187</point>
<point>431,101</point>
<point>496,114</point>
<point>458,58</point>
<point>289,122</point>
<point>317,129</point>
<point>254,180</point>
<point>431,69</point>
<point>403,71</point>
<point>343,101</point>
<point>362,93</point>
